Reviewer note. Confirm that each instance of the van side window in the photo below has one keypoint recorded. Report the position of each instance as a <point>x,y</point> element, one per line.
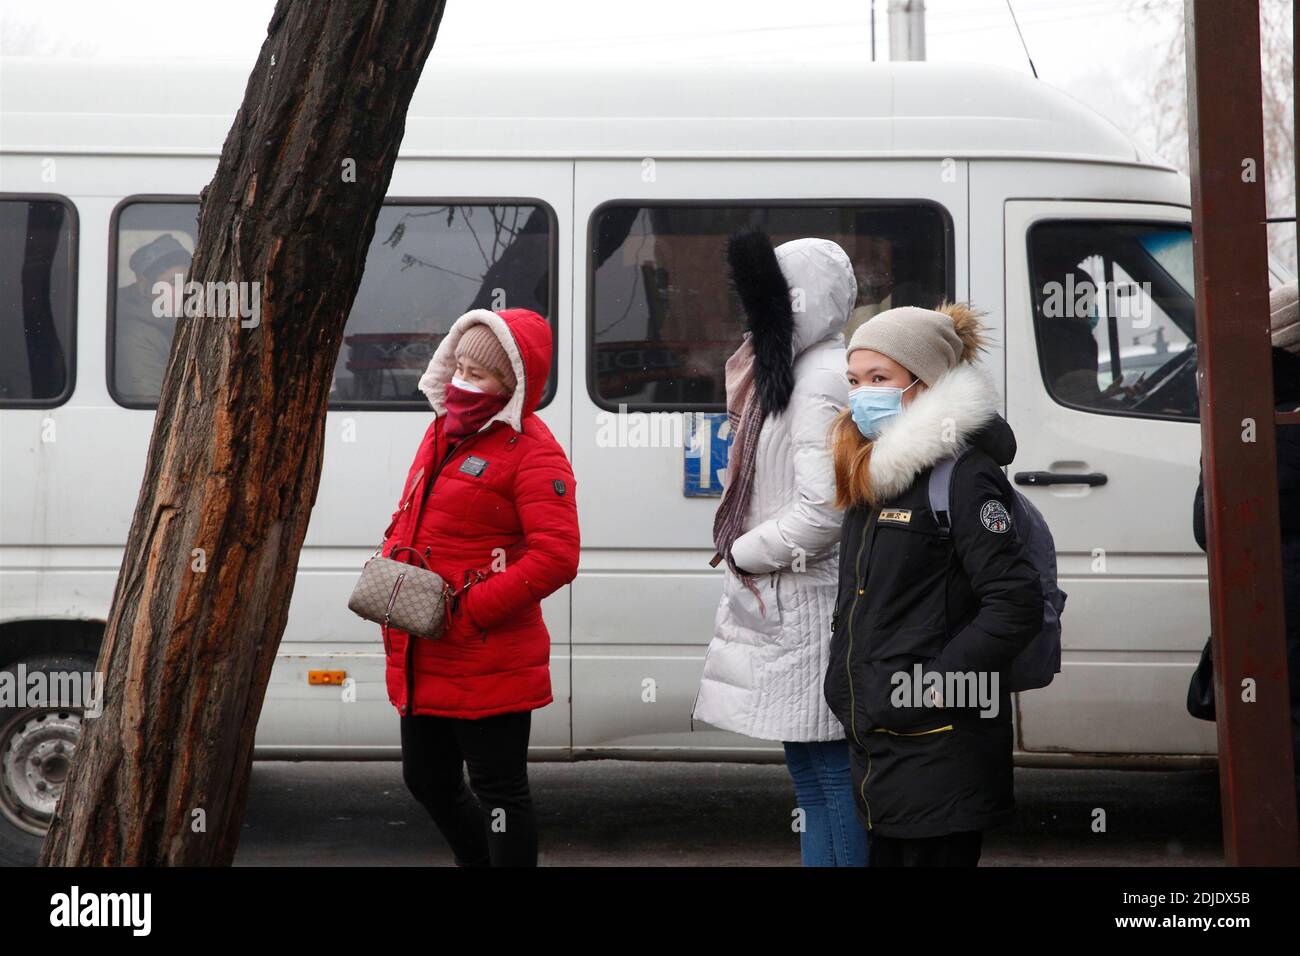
<point>428,263</point>
<point>1114,316</point>
<point>427,266</point>
<point>662,315</point>
<point>153,242</point>
<point>38,287</point>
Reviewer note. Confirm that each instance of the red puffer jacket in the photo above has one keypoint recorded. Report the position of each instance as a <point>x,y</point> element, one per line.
<point>501,502</point>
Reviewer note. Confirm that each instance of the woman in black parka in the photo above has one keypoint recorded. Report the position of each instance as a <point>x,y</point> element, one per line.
<point>927,617</point>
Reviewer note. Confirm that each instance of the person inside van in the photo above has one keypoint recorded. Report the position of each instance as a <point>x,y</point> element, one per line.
<point>146,320</point>
<point>1068,318</point>
<point>777,529</point>
<point>928,614</point>
<point>489,505</point>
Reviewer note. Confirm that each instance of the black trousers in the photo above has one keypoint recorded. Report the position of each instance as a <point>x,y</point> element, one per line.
<point>952,849</point>
<point>493,823</point>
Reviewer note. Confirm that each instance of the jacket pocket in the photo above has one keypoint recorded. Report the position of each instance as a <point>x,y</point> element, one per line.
<point>758,613</point>
<point>460,627</point>
<point>891,696</point>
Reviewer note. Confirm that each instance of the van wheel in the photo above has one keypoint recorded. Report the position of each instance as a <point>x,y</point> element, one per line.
<point>37,745</point>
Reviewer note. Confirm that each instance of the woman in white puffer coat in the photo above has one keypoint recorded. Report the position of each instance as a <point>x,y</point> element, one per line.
<point>778,530</point>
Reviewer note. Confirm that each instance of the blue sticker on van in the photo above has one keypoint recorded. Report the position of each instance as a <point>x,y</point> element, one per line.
<point>707,439</point>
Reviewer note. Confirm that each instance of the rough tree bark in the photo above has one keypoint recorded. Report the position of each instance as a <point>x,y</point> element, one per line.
<point>161,777</point>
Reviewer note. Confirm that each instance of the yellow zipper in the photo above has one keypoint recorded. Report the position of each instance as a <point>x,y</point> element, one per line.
<point>848,663</point>
<point>848,654</point>
<point>862,790</point>
<point>915,733</point>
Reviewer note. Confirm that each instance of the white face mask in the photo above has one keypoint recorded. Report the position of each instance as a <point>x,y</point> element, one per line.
<point>460,383</point>
<point>874,405</point>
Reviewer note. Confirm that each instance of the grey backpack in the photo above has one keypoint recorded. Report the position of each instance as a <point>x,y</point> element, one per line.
<point>1040,661</point>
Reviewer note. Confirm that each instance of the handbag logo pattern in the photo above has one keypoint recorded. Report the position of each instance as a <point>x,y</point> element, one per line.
<point>405,596</point>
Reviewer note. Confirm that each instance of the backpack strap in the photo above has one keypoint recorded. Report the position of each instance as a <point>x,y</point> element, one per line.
<point>940,492</point>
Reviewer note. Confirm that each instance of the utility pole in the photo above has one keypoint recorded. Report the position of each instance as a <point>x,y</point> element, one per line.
<point>906,29</point>
<point>1230,249</point>
<point>873,30</point>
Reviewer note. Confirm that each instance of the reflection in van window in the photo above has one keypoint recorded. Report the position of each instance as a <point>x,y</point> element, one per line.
<point>36,301</point>
<point>1114,316</point>
<point>427,265</point>
<point>664,317</point>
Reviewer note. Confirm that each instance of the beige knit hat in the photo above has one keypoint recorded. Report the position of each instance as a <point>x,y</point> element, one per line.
<point>1284,318</point>
<point>479,344</point>
<point>925,342</point>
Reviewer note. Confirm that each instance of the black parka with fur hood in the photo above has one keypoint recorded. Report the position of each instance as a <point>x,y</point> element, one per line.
<point>964,604</point>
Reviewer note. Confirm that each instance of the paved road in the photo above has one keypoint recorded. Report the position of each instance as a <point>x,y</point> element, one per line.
<point>614,812</point>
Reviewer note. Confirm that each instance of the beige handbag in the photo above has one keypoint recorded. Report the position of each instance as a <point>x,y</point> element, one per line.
<point>406,596</point>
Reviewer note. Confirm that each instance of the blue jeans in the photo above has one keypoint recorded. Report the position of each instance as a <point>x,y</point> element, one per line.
<point>823,785</point>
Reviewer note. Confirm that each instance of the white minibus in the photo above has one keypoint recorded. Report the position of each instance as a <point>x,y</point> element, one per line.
<point>603,200</point>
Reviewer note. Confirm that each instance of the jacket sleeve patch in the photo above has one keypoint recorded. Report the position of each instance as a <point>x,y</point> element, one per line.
<point>995,517</point>
<point>558,485</point>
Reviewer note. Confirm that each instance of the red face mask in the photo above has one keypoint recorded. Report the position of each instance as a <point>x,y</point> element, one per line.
<point>467,411</point>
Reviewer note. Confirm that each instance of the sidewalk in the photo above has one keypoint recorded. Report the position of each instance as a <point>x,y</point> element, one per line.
<point>612,812</point>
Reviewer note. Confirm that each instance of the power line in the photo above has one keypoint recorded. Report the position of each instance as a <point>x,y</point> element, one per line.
<point>1032,68</point>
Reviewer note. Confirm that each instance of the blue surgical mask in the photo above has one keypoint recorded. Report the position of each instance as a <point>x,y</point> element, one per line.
<point>463,384</point>
<point>874,405</point>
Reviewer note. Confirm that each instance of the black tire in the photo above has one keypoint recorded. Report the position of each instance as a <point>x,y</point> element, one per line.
<point>37,744</point>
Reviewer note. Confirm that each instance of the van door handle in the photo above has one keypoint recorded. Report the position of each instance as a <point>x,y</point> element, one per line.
<point>1057,478</point>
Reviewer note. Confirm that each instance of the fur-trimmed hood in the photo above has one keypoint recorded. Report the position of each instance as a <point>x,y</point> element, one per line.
<point>526,338</point>
<point>958,410</point>
<point>814,274</point>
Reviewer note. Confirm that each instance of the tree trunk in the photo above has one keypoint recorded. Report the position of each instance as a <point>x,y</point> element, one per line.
<point>161,778</point>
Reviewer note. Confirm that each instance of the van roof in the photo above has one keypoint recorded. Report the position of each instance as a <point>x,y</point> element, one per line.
<point>185,107</point>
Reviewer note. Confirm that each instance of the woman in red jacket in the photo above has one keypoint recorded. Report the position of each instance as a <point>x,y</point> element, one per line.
<point>489,505</point>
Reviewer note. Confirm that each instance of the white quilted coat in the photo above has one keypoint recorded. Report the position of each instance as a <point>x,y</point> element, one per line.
<point>763,670</point>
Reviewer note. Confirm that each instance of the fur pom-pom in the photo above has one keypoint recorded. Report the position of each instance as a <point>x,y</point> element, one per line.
<point>966,323</point>
<point>765,296</point>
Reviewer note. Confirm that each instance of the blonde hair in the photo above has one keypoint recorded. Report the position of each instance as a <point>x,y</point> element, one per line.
<point>851,452</point>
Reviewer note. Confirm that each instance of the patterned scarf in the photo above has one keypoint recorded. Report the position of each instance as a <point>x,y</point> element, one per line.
<point>745,415</point>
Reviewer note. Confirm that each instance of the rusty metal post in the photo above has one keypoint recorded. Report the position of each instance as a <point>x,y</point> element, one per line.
<point>1225,137</point>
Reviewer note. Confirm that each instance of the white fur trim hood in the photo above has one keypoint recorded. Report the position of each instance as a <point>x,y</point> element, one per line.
<point>936,425</point>
<point>443,365</point>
